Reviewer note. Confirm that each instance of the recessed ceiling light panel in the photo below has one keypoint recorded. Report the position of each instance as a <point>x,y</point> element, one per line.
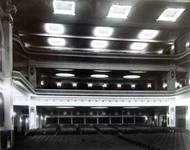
<point>131,76</point>
<point>56,41</point>
<point>138,46</point>
<point>99,44</point>
<point>148,34</point>
<point>171,14</point>
<point>54,28</point>
<point>65,75</point>
<point>64,7</point>
<point>119,11</point>
<point>103,31</point>
<point>101,76</point>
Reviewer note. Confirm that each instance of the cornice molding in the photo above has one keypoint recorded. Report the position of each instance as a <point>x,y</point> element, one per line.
<point>172,58</point>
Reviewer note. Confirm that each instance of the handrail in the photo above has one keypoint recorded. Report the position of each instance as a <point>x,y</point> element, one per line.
<point>17,76</point>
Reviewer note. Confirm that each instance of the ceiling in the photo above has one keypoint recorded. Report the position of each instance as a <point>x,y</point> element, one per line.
<point>89,14</point>
<point>31,35</point>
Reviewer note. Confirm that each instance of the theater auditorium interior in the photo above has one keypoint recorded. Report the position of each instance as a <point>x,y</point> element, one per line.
<point>94,74</point>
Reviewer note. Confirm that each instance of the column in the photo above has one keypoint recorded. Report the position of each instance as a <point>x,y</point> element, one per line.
<point>32,117</point>
<point>6,69</point>
<point>171,116</point>
<point>85,118</point>
<point>110,118</point>
<point>32,74</point>
<point>71,117</point>
<point>171,79</point>
<point>17,120</point>
<point>187,82</point>
<point>188,118</point>
<point>122,121</point>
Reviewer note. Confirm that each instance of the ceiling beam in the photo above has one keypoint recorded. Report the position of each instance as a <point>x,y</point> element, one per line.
<point>96,38</point>
<point>104,66</point>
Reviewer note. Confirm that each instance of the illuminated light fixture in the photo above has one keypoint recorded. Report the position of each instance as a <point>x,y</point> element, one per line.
<point>42,118</point>
<point>74,84</point>
<point>149,85</point>
<point>65,107</point>
<point>160,51</point>
<point>65,75</point>
<point>119,85</point>
<point>133,86</point>
<point>54,28</point>
<point>148,34</point>
<point>131,76</point>
<point>145,117</point>
<point>171,14</point>
<point>172,47</point>
<point>99,76</point>
<point>26,121</point>
<point>164,85</point>
<point>99,44</point>
<point>155,117</point>
<point>20,120</point>
<point>64,7</point>
<point>42,83</point>
<point>138,46</point>
<point>104,85</point>
<point>103,31</point>
<point>136,52</point>
<point>57,41</point>
<point>119,11</point>
<point>14,114</point>
<point>99,107</point>
<point>37,116</point>
<point>27,45</point>
<point>187,44</point>
<point>178,85</point>
<point>90,85</point>
<point>59,84</point>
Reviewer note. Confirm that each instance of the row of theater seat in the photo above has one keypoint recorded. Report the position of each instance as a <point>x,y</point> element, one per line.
<point>101,129</point>
<point>161,141</point>
<point>149,138</point>
<point>74,142</point>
